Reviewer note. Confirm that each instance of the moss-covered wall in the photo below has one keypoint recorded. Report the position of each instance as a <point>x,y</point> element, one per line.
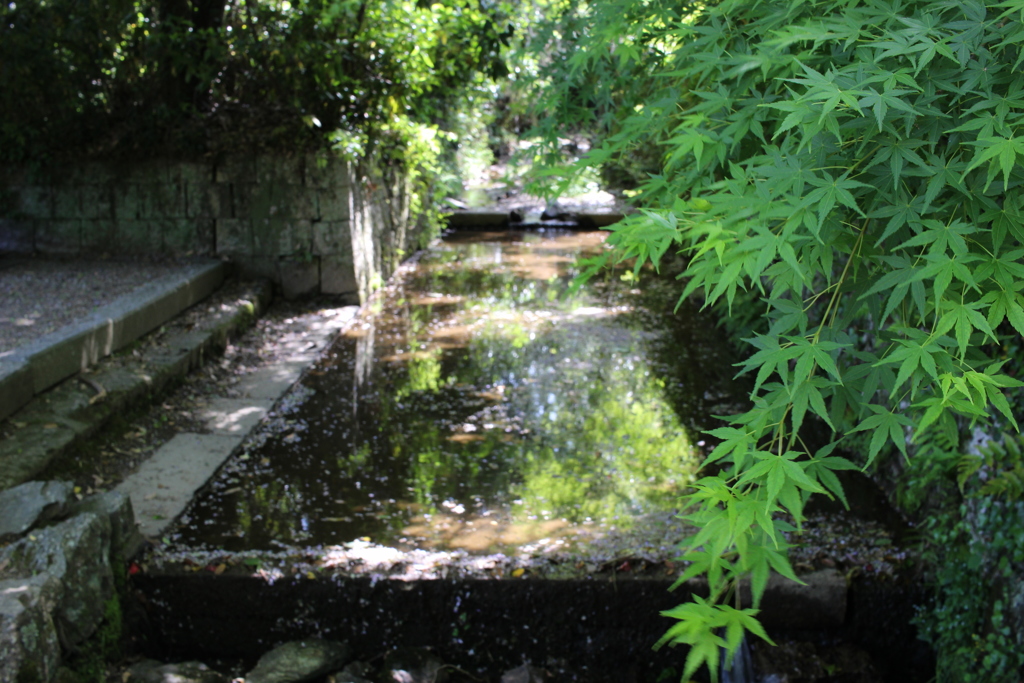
<point>309,224</point>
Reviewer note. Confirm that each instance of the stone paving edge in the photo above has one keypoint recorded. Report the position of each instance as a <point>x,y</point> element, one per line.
<point>53,422</point>
<point>53,358</point>
<point>164,485</point>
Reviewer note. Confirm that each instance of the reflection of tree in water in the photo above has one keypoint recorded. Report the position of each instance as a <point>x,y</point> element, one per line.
<point>573,425</point>
<point>481,272</point>
<point>277,509</point>
<point>495,411</point>
<point>601,441</point>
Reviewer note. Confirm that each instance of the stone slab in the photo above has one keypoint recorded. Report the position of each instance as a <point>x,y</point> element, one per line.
<point>32,503</point>
<point>164,484</point>
<point>478,219</point>
<point>69,350</point>
<point>593,219</point>
<point>28,451</point>
<point>203,200</point>
<point>140,237</point>
<point>187,236</point>
<point>299,277</point>
<point>60,236</point>
<point>334,204</point>
<point>333,238</point>
<point>324,173</point>
<point>236,169</point>
<point>233,237</point>
<point>17,235</point>
<point>338,319</point>
<point>64,400</point>
<point>96,202</point>
<point>337,275</point>
<point>35,201</point>
<point>67,202</point>
<point>235,416</point>
<point>98,235</point>
<point>271,382</point>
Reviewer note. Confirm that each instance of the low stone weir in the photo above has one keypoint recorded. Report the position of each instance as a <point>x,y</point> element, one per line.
<point>600,627</point>
<point>484,615</point>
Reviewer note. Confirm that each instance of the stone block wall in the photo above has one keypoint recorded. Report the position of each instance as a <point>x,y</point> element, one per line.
<point>57,582</point>
<point>309,224</point>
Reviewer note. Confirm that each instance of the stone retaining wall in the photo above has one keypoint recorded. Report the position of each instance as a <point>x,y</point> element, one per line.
<point>58,560</point>
<point>309,224</point>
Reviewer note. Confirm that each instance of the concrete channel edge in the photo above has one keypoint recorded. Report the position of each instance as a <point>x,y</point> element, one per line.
<point>164,485</point>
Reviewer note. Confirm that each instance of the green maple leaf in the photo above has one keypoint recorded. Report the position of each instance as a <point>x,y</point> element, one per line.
<point>885,426</point>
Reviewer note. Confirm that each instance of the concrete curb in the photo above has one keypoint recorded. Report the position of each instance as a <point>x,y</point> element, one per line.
<point>55,357</point>
<point>53,422</point>
<point>164,485</point>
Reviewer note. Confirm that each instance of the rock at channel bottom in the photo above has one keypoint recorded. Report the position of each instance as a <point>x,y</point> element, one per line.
<point>299,661</point>
<point>151,671</point>
<point>413,665</point>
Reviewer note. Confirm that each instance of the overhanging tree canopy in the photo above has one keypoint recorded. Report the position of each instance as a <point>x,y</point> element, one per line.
<point>843,177</point>
<point>179,76</point>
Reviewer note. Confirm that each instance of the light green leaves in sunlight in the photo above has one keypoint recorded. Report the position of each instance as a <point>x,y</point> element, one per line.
<point>698,625</point>
<point>843,181</point>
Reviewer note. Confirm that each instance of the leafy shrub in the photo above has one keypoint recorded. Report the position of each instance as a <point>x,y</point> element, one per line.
<point>976,617</point>
<point>50,70</point>
<point>150,78</point>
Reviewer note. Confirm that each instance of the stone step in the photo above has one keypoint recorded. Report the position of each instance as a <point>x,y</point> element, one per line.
<point>30,370</point>
<point>488,219</point>
<point>102,386</point>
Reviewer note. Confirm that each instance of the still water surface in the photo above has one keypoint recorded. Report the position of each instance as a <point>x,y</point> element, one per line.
<point>477,406</point>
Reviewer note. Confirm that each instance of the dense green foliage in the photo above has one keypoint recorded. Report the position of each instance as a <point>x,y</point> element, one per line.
<point>150,77</point>
<point>843,176</point>
<point>975,620</point>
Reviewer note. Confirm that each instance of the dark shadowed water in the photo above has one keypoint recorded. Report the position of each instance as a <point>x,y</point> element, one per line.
<point>478,407</point>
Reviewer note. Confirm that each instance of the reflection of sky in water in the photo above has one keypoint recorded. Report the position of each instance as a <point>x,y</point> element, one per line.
<point>479,409</point>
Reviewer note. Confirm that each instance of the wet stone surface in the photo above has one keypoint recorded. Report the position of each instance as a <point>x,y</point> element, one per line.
<point>479,407</point>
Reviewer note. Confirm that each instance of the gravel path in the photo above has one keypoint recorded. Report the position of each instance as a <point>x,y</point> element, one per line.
<point>39,296</point>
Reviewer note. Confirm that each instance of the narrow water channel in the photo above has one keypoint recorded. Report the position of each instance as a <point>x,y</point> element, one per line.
<point>479,406</point>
